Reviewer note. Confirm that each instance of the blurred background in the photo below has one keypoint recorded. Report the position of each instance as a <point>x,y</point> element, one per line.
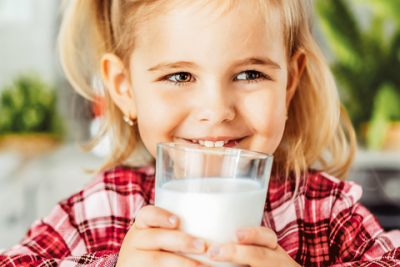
<point>42,119</point>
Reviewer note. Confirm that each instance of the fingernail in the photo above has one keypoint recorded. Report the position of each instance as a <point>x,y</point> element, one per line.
<point>173,219</point>
<point>198,244</point>
<point>240,236</point>
<point>213,252</point>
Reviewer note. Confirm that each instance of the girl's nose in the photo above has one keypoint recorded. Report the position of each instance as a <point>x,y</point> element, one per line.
<point>215,106</point>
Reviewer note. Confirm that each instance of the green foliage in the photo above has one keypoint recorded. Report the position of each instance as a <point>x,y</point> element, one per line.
<point>367,60</point>
<point>384,8</point>
<point>386,109</point>
<point>28,105</point>
<point>342,31</point>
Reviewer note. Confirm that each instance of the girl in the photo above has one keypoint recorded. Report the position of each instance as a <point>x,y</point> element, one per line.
<point>243,71</point>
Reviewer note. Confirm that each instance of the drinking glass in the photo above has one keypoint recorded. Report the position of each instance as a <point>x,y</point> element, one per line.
<point>214,191</point>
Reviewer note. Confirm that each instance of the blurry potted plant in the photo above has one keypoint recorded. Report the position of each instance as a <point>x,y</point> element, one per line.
<point>367,65</point>
<point>29,121</point>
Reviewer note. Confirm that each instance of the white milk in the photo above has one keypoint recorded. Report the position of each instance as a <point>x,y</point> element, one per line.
<point>213,208</point>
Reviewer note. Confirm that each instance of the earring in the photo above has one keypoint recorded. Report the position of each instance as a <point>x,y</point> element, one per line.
<point>128,120</point>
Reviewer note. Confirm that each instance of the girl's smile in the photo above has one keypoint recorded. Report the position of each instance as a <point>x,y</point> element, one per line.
<point>219,141</point>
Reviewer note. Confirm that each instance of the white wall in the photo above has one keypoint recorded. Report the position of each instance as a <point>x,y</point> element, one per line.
<point>27,38</point>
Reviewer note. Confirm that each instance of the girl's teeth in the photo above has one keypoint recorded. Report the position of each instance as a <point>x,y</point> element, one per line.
<point>219,144</point>
<point>209,143</point>
<point>213,144</point>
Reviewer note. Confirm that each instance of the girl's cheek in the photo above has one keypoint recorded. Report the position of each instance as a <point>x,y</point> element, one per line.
<point>159,116</point>
<point>265,111</point>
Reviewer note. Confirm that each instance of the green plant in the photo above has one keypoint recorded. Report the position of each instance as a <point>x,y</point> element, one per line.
<point>367,60</point>
<point>28,105</point>
<point>386,109</point>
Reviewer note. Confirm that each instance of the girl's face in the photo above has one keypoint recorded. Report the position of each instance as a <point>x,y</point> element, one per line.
<point>198,77</point>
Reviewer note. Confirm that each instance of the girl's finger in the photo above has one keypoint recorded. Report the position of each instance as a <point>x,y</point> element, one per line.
<point>151,216</point>
<point>240,254</point>
<point>165,259</point>
<point>168,240</point>
<point>259,236</point>
<point>250,255</point>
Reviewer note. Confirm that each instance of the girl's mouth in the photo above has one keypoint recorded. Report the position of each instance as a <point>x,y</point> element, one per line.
<point>220,142</point>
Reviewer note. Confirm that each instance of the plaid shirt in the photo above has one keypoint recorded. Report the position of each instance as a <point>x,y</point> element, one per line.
<point>324,226</point>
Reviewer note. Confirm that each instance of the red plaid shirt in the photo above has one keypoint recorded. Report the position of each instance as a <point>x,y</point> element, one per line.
<point>324,226</point>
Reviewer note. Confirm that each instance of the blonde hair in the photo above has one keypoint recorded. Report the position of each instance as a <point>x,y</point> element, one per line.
<point>318,131</point>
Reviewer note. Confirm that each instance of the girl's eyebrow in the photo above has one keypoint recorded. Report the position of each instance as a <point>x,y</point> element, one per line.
<point>174,65</point>
<point>265,61</point>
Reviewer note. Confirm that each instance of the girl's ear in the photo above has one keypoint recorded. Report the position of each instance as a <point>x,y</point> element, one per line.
<point>118,83</point>
<point>296,68</point>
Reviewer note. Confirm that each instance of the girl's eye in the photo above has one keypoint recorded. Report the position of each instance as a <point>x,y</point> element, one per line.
<point>182,77</point>
<point>252,76</point>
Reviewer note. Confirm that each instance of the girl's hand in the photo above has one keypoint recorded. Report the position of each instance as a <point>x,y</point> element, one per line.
<point>153,237</point>
<point>256,246</point>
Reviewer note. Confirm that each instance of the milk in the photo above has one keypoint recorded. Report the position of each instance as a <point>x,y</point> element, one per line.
<point>213,208</point>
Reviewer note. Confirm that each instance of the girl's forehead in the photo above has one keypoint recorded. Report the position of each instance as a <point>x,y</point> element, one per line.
<point>199,14</point>
<point>211,31</point>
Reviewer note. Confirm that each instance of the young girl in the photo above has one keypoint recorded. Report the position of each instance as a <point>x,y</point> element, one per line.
<point>243,71</point>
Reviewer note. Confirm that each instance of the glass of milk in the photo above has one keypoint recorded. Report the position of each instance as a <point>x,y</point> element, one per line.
<point>214,191</point>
